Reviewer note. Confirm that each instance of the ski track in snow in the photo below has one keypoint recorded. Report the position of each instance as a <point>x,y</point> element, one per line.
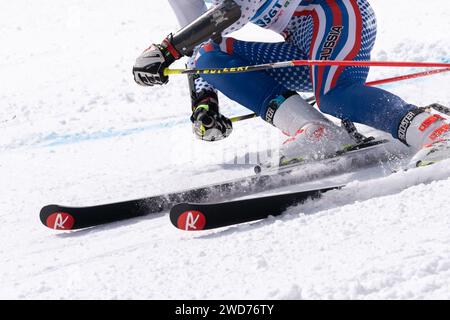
<point>75,129</point>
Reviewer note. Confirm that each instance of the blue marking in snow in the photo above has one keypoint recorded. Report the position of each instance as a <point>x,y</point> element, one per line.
<point>55,139</point>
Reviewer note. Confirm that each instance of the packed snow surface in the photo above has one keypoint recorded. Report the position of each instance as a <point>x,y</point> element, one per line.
<point>75,129</point>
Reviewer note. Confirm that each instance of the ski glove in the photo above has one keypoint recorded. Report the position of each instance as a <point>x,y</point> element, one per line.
<point>209,124</point>
<point>149,67</point>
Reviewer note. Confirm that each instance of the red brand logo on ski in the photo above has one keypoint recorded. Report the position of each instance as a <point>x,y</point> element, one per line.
<point>60,221</point>
<point>191,221</point>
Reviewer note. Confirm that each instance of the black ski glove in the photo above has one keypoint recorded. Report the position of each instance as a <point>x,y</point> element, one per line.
<point>149,67</point>
<point>208,123</point>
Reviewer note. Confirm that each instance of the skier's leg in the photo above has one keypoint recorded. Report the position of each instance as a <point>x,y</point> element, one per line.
<point>425,131</point>
<point>264,92</point>
<point>341,91</point>
<point>253,90</point>
<point>367,105</point>
<point>270,94</point>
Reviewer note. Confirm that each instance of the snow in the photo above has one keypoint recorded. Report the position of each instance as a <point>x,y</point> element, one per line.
<point>76,130</point>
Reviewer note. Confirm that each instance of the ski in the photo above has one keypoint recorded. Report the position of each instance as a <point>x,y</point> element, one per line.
<point>61,217</point>
<point>280,166</point>
<point>198,217</point>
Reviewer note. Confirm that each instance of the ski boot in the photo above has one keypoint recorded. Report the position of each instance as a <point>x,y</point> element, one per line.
<point>315,141</point>
<point>428,134</point>
<point>312,135</point>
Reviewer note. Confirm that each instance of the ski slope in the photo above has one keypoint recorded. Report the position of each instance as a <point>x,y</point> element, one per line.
<point>75,129</point>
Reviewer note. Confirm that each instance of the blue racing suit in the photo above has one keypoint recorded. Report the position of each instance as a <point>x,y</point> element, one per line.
<point>313,30</point>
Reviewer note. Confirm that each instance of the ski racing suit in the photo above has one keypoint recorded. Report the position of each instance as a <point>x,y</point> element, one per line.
<point>313,30</point>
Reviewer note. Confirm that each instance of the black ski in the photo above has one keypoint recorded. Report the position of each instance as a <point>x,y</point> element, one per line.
<point>197,217</point>
<point>60,217</point>
<point>70,218</point>
<point>362,155</point>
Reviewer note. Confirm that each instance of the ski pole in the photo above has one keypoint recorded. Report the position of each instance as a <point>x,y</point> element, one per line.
<point>407,76</point>
<point>311,100</point>
<point>296,63</point>
<point>243,117</point>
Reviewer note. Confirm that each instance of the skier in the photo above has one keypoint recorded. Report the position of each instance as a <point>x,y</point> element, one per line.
<point>313,30</point>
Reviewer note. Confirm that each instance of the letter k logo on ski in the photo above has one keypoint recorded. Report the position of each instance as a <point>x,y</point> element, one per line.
<point>191,221</point>
<point>60,221</point>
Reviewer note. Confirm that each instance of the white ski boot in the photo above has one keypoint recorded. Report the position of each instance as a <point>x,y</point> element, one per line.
<point>434,152</point>
<point>427,133</point>
<point>315,141</point>
<point>313,136</point>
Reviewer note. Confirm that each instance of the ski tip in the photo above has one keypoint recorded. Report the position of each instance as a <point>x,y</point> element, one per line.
<point>185,218</point>
<point>54,218</point>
